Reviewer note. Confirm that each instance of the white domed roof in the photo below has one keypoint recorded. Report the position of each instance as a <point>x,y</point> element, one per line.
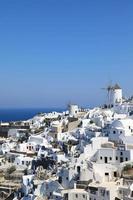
<point>122,123</point>
<point>117,124</point>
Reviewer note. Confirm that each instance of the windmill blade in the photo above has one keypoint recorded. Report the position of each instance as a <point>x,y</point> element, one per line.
<point>109,89</point>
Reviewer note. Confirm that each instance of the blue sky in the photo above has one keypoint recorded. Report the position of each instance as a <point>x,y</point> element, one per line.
<point>57,51</point>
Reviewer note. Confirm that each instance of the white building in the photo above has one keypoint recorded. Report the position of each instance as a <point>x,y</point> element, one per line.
<point>16,133</point>
<point>75,194</point>
<point>39,140</point>
<point>114,155</point>
<point>120,127</point>
<point>23,161</point>
<point>48,189</point>
<point>102,191</point>
<point>66,177</point>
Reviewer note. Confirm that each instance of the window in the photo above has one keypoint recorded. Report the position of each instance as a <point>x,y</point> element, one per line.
<point>129,127</point>
<point>78,169</point>
<point>126,159</point>
<point>101,158</point>
<point>60,179</point>
<point>83,196</point>
<point>76,195</point>
<point>66,178</point>
<point>114,132</point>
<point>36,149</point>
<point>116,157</point>
<point>103,192</point>
<point>110,158</point>
<point>121,153</point>
<point>120,192</point>
<point>22,162</point>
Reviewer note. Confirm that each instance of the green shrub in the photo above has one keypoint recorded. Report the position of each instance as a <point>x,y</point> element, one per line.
<point>127,167</point>
<point>11,169</point>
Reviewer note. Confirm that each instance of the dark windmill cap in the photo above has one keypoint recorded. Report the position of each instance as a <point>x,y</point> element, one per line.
<point>116,87</point>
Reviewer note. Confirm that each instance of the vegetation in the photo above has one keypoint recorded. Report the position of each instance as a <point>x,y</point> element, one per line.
<point>11,169</point>
<point>127,167</point>
<point>8,173</point>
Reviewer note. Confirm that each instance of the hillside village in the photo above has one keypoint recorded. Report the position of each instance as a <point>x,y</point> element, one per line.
<point>79,154</point>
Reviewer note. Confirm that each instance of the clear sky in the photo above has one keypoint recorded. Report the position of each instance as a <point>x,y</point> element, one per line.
<point>57,51</point>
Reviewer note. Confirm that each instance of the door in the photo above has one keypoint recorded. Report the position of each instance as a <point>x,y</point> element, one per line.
<point>115,174</point>
<point>121,159</point>
<point>106,159</point>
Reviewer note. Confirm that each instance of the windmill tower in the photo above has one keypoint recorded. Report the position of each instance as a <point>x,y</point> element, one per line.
<point>73,109</point>
<point>114,95</point>
<point>117,95</point>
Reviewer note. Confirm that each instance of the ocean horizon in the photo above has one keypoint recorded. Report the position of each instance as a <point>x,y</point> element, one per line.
<point>18,114</point>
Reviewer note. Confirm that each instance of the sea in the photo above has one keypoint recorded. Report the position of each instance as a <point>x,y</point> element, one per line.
<point>18,114</point>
